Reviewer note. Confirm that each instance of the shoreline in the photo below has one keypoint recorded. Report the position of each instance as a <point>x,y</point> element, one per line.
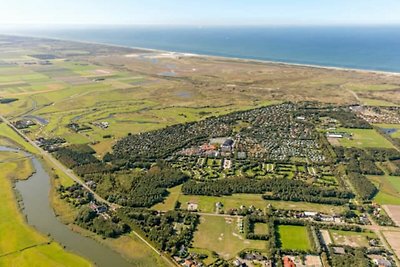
<point>206,56</point>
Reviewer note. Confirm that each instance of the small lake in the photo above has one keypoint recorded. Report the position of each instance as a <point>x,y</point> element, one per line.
<point>35,197</point>
<point>389,130</point>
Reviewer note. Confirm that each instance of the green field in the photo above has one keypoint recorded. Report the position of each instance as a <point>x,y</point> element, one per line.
<point>364,138</point>
<point>20,244</point>
<point>294,237</point>
<point>221,234</point>
<point>207,203</point>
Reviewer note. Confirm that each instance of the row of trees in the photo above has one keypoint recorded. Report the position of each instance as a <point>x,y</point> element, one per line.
<point>284,189</point>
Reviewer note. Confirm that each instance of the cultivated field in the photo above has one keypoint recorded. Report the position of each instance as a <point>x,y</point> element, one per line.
<point>393,212</point>
<point>393,238</point>
<point>221,234</point>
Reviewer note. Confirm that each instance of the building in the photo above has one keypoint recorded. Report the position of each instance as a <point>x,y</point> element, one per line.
<point>288,262</point>
<point>192,206</point>
<point>227,145</point>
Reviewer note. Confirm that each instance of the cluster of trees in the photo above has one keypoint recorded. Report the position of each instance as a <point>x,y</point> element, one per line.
<point>171,231</point>
<point>140,188</point>
<point>359,161</point>
<point>283,189</point>
<point>75,194</point>
<point>344,115</point>
<point>76,155</point>
<point>107,227</point>
<point>364,187</point>
<point>7,100</point>
<point>355,257</point>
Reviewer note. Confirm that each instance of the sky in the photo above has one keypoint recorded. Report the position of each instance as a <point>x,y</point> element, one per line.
<point>200,12</point>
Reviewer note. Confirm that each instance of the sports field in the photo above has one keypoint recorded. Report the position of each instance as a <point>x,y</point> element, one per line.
<point>294,237</point>
<point>364,138</point>
<point>221,234</point>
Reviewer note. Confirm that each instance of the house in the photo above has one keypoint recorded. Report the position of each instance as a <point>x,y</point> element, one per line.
<point>334,135</point>
<point>382,262</point>
<point>192,206</point>
<point>310,213</point>
<point>241,155</point>
<point>227,145</point>
<point>288,262</point>
<point>339,250</point>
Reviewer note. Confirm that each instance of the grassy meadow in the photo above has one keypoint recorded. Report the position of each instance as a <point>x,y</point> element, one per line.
<point>364,138</point>
<point>221,234</point>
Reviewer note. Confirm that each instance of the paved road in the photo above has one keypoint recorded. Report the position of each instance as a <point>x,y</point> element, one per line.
<point>71,174</point>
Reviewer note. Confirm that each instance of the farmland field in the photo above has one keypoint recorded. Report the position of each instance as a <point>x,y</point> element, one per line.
<point>221,234</point>
<point>294,237</point>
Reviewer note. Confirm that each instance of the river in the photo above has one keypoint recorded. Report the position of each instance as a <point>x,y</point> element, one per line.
<point>39,213</point>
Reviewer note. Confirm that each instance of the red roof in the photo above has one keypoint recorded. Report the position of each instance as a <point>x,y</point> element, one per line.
<point>287,262</point>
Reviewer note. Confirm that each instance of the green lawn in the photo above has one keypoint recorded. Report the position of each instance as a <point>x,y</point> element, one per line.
<point>294,237</point>
<point>364,138</point>
<point>221,234</point>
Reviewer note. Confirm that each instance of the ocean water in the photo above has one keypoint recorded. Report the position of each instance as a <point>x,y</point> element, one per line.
<point>369,48</point>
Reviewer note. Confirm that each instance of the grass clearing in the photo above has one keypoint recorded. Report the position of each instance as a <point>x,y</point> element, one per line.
<point>170,201</point>
<point>221,234</point>
<point>353,239</point>
<point>293,237</point>
<point>260,228</point>
<point>396,127</point>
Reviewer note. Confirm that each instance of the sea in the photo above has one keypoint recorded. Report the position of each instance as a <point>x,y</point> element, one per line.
<point>368,48</point>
